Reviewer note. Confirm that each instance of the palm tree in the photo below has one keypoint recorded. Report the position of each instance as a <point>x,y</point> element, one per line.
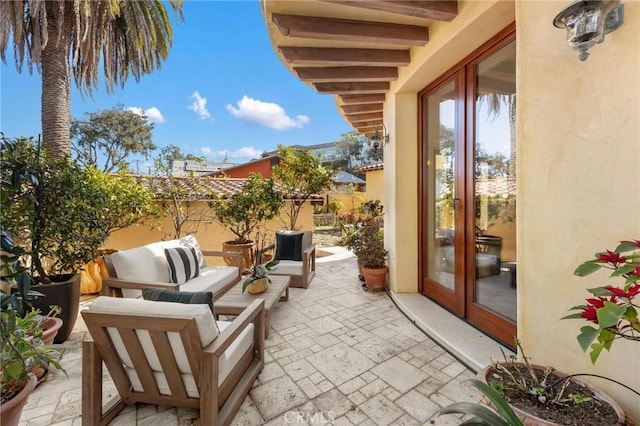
<point>65,37</point>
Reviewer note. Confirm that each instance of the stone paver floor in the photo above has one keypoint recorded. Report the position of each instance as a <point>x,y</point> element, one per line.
<point>336,354</point>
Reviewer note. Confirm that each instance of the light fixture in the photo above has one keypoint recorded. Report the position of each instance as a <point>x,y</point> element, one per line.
<point>377,140</point>
<point>587,21</point>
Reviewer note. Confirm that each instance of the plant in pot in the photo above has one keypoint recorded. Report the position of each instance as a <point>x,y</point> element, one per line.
<point>257,279</point>
<point>256,203</point>
<point>21,351</point>
<point>53,210</point>
<point>541,395</point>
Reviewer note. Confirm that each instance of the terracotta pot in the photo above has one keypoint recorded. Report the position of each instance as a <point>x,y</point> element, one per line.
<point>375,278</point>
<point>12,409</point>
<point>51,325</point>
<point>531,420</point>
<point>245,248</point>
<point>258,286</point>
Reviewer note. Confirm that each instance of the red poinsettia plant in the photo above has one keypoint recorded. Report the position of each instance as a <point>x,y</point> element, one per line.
<point>613,309</point>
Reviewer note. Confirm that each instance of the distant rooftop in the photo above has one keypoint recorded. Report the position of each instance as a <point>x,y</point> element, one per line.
<point>371,167</point>
<point>343,177</point>
<point>186,166</point>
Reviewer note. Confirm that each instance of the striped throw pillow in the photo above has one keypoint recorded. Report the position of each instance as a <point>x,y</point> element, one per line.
<point>183,264</point>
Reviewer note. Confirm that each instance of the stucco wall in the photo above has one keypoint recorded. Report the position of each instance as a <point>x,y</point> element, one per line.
<point>578,183</point>
<point>351,201</point>
<point>210,235</point>
<point>375,185</point>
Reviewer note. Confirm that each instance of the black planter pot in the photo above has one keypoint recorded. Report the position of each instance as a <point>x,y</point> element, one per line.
<point>66,295</point>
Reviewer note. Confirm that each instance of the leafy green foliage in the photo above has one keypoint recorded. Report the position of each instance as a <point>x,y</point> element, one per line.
<point>112,135</point>
<point>482,414</point>
<point>299,176</point>
<point>612,308</point>
<point>366,241</point>
<point>56,214</point>
<point>258,201</point>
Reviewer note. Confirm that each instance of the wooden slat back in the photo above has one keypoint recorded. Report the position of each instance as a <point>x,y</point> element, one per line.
<point>158,328</point>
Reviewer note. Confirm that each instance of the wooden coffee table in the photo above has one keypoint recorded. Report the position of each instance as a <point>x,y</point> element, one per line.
<point>234,301</point>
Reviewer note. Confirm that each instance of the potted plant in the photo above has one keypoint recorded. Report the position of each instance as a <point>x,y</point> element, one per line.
<point>257,202</point>
<point>21,350</point>
<point>367,243</point>
<point>257,280</point>
<point>53,209</point>
<point>541,395</point>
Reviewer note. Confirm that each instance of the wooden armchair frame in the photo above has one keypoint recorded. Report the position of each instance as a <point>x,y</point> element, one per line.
<point>112,285</point>
<point>218,404</point>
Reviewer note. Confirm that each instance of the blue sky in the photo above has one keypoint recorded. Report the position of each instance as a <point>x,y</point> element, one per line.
<point>221,92</point>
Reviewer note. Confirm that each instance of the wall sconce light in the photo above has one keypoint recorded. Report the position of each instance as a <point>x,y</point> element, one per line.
<point>377,140</point>
<point>587,21</point>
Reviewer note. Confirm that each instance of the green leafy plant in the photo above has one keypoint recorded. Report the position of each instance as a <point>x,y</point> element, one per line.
<point>300,176</point>
<point>257,202</point>
<point>52,208</point>
<point>613,309</point>
<point>259,270</point>
<point>481,413</point>
<point>22,349</point>
<point>366,240</point>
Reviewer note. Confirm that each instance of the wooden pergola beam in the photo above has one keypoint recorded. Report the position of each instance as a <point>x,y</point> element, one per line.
<point>328,56</point>
<point>376,124</point>
<point>350,30</point>
<point>362,108</point>
<point>341,88</point>
<point>352,74</point>
<point>362,99</point>
<point>358,118</point>
<point>439,10</point>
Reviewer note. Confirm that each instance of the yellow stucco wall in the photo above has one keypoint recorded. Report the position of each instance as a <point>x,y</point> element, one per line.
<point>351,201</point>
<point>210,235</point>
<point>578,183</point>
<point>578,176</point>
<point>375,185</point>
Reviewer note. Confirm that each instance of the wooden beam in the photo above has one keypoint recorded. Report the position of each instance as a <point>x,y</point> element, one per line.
<point>364,124</point>
<point>353,74</point>
<point>362,99</point>
<point>340,88</point>
<point>350,30</point>
<point>439,10</point>
<point>328,56</point>
<point>358,118</point>
<point>363,108</point>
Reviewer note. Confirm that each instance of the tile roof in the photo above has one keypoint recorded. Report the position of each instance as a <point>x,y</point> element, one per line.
<point>200,188</point>
<point>371,167</point>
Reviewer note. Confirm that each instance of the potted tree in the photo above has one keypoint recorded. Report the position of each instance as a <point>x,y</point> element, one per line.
<point>54,210</point>
<point>367,243</point>
<point>256,203</point>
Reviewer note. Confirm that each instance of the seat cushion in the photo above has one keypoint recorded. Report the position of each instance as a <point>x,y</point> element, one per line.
<point>183,264</point>
<point>289,246</point>
<point>228,360</point>
<point>207,329</point>
<point>211,278</point>
<point>288,267</point>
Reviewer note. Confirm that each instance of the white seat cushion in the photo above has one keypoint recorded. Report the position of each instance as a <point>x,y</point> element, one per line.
<point>288,267</point>
<point>206,330</point>
<point>211,278</point>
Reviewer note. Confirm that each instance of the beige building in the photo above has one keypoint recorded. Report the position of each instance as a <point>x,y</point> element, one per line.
<point>374,175</point>
<point>441,81</point>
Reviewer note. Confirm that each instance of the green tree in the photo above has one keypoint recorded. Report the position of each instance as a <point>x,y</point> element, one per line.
<point>179,197</point>
<point>350,148</point>
<point>299,176</point>
<point>110,136</point>
<point>73,37</point>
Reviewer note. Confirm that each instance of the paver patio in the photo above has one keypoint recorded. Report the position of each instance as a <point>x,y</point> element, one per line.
<point>335,355</point>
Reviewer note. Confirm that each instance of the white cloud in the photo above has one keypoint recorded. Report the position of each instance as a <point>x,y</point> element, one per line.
<point>247,152</point>
<point>153,114</point>
<point>266,114</point>
<point>199,106</point>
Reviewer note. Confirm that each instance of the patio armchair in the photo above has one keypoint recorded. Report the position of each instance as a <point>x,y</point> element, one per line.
<point>170,354</point>
<point>296,255</point>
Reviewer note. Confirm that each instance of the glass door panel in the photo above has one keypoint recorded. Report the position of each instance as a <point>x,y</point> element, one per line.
<point>494,149</point>
<point>440,191</point>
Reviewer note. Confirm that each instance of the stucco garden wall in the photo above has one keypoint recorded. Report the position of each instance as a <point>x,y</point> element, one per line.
<point>375,185</point>
<point>578,183</point>
<point>210,235</point>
